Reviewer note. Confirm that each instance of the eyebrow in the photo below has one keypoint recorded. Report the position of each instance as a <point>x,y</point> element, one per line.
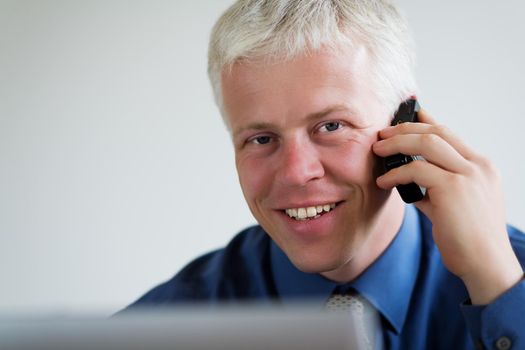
<point>310,117</point>
<point>253,126</point>
<point>331,109</point>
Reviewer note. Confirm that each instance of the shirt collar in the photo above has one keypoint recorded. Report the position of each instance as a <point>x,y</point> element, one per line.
<point>387,283</point>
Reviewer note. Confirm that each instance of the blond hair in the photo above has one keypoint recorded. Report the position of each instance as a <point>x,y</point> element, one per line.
<point>284,29</point>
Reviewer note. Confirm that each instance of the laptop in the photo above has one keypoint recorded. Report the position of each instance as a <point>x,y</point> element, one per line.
<point>247,327</point>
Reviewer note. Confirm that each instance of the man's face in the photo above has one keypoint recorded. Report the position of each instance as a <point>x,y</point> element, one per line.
<point>303,131</point>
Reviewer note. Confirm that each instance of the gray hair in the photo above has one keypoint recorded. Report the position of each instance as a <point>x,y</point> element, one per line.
<point>284,29</point>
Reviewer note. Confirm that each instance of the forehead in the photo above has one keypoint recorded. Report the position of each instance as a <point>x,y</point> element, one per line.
<point>262,90</point>
<point>256,74</point>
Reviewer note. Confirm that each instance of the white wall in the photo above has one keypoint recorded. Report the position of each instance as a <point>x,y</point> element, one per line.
<point>115,168</point>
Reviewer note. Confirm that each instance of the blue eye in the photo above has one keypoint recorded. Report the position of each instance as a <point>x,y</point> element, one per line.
<point>261,140</point>
<point>330,126</point>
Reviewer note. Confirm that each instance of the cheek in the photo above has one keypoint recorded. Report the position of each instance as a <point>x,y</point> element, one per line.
<point>354,161</point>
<point>254,176</point>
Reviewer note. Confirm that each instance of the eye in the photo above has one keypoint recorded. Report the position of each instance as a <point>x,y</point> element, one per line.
<point>261,140</point>
<point>330,126</point>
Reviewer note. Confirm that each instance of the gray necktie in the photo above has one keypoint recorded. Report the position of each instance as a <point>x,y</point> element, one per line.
<point>363,315</point>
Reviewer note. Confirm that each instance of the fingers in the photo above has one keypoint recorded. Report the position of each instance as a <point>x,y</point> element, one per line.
<point>463,201</point>
<point>427,125</point>
<point>445,154</point>
<point>432,147</point>
<point>423,173</point>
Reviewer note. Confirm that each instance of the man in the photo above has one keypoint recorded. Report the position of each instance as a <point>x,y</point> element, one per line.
<point>308,90</point>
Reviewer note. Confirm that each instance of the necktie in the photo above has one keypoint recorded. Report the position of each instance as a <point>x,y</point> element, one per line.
<point>364,316</point>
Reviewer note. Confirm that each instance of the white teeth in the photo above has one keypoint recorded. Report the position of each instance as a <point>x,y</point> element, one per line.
<point>309,212</point>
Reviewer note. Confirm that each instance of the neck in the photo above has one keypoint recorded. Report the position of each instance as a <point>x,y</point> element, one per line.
<point>381,233</point>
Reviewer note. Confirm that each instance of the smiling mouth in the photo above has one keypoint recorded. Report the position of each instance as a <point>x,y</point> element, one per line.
<point>309,213</point>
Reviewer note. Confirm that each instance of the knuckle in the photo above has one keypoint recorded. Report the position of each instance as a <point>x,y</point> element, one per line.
<point>404,127</point>
<point>470,169</point>
<point>491,169</point>
<point>486,165</point>
<point>441,130</point>
<point>429,140</point>
<point>417,165</point>
<point>455,181</point>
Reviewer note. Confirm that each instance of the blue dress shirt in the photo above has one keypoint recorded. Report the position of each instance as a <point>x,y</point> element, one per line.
<point>422,305</point>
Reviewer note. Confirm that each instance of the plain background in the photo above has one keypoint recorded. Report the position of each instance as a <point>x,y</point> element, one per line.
<point>116,169</point>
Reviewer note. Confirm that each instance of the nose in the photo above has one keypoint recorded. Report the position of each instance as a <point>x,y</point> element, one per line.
<point>299,163</point>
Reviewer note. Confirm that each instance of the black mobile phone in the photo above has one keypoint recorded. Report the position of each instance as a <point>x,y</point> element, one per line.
<point>407,112</point>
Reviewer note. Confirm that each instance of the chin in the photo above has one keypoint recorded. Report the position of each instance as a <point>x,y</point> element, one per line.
<point>319,263</point>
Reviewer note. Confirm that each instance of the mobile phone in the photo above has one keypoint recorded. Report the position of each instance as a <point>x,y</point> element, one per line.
<point>412,192</point>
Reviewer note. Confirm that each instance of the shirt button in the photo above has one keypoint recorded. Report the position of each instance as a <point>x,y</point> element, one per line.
<point>503,343</point>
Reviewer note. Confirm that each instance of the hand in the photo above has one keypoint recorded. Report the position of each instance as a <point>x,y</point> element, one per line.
<point>464,202</point>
